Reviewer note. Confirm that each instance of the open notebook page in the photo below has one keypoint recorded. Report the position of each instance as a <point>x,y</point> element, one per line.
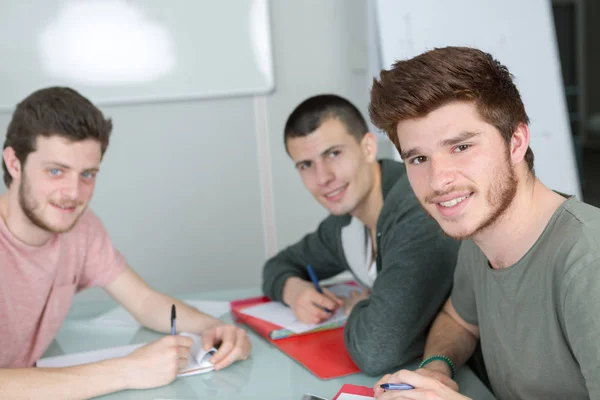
<point>198,362</point>
<point>348,396</point>
<point>279,314</point>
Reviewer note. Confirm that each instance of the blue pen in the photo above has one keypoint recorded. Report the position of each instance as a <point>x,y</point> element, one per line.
<point>173,318</point>
<point>396,386</point>
<point>315,282</point>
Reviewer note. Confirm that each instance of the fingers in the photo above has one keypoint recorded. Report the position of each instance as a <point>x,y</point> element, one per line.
<point>446,380</point>
<point>183,353</point>
<point>235,345</point>
<point>311,314</point>
<point>414,394</point>
<point>226,336</point>
<point>183,357</point>
<point>325,301</point>
<point>209,338</point>
<point>237,352</point>
<point>310,308</point>
<point>182,341</point>
<point>417,379</point>
<point>384,379</point>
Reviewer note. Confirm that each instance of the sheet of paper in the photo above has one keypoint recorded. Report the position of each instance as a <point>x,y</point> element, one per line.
<point>118,316</point>
<point>281,315</point>
<point>198,362</point>
<point>343,290</point>
<point>348,396</point>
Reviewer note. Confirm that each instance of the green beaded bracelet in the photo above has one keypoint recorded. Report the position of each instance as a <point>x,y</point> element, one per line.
<point>439,357</point>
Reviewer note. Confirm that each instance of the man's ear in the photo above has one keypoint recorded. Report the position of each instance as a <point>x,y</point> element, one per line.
<point>369,146</point>
<point>519,143</point>
<point>13,165</point>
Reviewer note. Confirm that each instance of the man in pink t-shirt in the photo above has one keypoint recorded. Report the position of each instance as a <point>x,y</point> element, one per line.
<point>52,246</point>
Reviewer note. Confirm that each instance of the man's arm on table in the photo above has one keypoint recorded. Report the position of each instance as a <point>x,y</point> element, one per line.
<point>417,263</point>
<point>153,365</point>
<point>450,336</point>
<point>153,310</point>
<point>286,279</point>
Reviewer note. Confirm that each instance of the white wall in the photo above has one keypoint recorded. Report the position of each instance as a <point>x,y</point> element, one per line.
<point>521,35</point>
<point>196,194</point>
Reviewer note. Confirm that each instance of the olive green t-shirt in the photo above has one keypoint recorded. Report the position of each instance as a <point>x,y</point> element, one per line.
<point>539,319</point>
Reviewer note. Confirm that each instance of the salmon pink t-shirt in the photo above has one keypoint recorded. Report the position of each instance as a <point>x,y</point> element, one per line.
<point>37,285</point>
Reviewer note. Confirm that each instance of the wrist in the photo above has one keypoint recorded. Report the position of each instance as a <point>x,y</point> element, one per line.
<point>120,370</point>
<point>439,363</point>
<point>290,289</point>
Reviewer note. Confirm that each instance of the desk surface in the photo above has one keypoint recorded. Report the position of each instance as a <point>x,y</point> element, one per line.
<point>267,374</point>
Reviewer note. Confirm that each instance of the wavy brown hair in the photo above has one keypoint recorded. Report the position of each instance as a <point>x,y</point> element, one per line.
<point>413,88</point>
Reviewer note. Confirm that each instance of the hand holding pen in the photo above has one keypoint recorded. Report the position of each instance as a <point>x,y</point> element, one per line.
<point>307,302</point>
<point>173,320</point>
<point>406,384</point>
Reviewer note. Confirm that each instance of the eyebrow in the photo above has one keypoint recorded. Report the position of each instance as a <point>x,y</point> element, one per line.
<point>329,149</point>
<point>324,152</point>
<point>459,138</point>
<point>444,143</point>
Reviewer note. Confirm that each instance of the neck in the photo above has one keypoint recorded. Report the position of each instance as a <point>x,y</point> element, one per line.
<point>17,222</point>
<point>507,240</point>
<point>368,211</point>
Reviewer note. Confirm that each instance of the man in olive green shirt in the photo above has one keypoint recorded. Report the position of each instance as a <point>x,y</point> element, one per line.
<point>527,281</point>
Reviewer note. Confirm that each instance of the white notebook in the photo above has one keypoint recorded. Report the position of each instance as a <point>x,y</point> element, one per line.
<point>280,314</point>
<point>198,363</point>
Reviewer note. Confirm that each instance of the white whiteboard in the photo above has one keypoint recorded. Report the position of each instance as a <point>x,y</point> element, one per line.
<point>520,34</point>
<point>128,51</point>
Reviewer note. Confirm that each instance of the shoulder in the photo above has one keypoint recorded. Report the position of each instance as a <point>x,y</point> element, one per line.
<point>575,235</point>
<point>572,243</point>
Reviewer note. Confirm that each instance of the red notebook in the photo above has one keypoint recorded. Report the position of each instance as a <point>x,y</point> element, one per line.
<point>323,353</point>
<point>354,389</point>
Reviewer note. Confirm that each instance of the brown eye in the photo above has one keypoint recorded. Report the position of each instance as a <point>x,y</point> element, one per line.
<point>418,160</point>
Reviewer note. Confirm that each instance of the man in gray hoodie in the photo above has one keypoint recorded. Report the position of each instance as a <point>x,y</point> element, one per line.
<point>376,230</point>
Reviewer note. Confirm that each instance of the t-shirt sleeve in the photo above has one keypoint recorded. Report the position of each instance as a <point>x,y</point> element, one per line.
<point>582,323</point>
<point>463,291</point>
<point>103,263</point>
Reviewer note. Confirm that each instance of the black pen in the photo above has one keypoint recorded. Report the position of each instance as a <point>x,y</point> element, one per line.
<point>173,318</point>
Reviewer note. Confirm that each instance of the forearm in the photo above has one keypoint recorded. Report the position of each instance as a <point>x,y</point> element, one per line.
<point>290,289</point>
<point>78,382</point>
<point>155,314</point>
<point>379,345</point>
<point>450,339</point>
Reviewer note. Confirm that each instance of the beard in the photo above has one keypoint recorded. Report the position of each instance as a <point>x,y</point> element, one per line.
<point>500,196</point>
<point>30,206</point>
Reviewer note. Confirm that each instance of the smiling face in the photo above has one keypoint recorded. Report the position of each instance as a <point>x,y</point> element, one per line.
<point>460,168</point>
<point>335,167</point>
<point>57,182</point>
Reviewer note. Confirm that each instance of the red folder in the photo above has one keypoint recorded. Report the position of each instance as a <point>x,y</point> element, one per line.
<point>323,353</point>
<point>354,389</point>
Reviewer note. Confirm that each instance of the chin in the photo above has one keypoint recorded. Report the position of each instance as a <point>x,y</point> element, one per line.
<point>339,210</point>
<point>455,231</point>
<point>63,225</point>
